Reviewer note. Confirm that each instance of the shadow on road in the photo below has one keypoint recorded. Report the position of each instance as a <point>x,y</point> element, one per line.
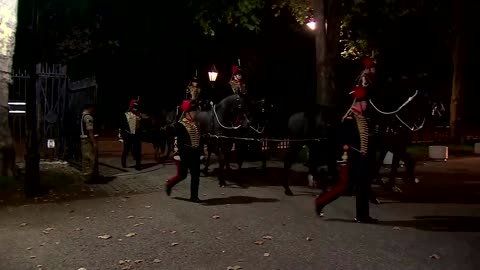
<point>432,223</point>
<point>233,200</point>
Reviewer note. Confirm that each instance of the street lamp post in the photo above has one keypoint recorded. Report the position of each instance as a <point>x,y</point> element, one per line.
<point>212,75</point>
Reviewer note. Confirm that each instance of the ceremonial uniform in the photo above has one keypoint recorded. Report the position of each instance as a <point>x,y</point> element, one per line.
<point>236,83</point>
<point>355,128</point>
<point>131,136</point>
<point>193,91</point>
<point>88,147</point>
<point>188,145</point>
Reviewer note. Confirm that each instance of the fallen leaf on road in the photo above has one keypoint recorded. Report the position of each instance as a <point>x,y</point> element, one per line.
<point>138,261</point>
<point>259,242</point>
<point>268,237</point>
<point>39,266</point>
<point>33,257</point>
<point>45,232</point>
<point>157,261</point>
<point>174,244</point>
<point>309,239</point>
<point>23,224</point>
<point>435,256</point>
<point>236,267</point>
<point>29,248</point>
<point>113,211</point>
<point>78,229</point>
<point>105,236</point>
<point>128,261</point>
<point>173,232</point>
<point>120,239</point>
<point>82,268</point>
<point>87,217</point>
<point>126,268</point>
<point>121,262</point>
<point>130,216</point>
<point>266,254</point>
<point>147,206</point>
<point>215,217</point>
<point>138,224</point>
<point>130,234</point>
<point>57,243</point>
<point>396,228</point>
<point>42,244</point>
<point>192,231</point>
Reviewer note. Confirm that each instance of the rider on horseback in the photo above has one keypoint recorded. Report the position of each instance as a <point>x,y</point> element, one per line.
<point>237,82</point>
<point>193,90</point>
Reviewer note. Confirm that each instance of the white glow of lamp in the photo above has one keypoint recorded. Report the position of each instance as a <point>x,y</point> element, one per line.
<point>212,74</point>
<point>313,25</point>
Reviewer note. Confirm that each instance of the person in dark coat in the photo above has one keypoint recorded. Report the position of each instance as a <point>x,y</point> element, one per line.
<point>130,134</point>
<point>188,150</point>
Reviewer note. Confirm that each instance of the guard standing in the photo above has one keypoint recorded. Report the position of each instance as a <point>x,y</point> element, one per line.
<point>88,145</point>
<point>130,134</point>
<point>187,142</point>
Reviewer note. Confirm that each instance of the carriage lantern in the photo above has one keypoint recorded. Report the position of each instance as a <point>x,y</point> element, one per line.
<point>212,74</point>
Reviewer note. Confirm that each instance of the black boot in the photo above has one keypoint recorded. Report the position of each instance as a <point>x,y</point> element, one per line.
<point>366,220</point>
<point>168,189</point>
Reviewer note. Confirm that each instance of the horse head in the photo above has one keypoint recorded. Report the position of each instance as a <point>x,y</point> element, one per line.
<point>260,115</point>
<point>230,113</point>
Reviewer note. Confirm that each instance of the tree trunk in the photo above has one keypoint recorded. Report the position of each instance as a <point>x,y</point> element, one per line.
<point>8,27</point>
<point>458,80</point>
<point>324,92</point>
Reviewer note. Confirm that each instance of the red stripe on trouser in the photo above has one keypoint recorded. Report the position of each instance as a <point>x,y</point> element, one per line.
<point>177,178</point>
<point>336,190</point>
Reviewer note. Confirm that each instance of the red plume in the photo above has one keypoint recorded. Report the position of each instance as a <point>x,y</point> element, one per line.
<point>133,102</point>
<point>234,69</point>
<point>367,62</point>
<point>359,92</point>
<point>185,105</point>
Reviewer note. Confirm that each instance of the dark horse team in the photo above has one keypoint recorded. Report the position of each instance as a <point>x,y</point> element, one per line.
<point>241,122</point>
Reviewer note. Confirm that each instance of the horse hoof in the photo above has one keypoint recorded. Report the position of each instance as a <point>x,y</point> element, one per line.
<point>319,211</point>
<point>288,192</point>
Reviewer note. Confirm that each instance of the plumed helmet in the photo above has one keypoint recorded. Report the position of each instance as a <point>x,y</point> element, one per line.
<point>188,105</point>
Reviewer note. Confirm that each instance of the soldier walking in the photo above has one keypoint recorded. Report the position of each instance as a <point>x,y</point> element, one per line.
<point>130,134</point>
<point>88,144</point>
<point>187,143</point>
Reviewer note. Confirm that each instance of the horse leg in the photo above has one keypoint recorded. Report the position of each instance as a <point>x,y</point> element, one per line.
<point>207,159</point>
<point>378,166</point>
<point>393,173</point>
<point>409,169</point>
<point>222,165</point>
<point>287,166</point>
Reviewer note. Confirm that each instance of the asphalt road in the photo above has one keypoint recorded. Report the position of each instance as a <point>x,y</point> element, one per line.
<point>417,231</point>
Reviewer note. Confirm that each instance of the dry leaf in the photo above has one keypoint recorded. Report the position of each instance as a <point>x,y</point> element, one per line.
<point>120,239</point>
<point>435,256</point>
<point>87,217</point>
<point>126,267</point>
<point>57,243</point>
<point>157,261</point>
<point>78,229</point>
<point>174,244</point>
<point>130,234</point>
<point>121,262</point>
<point>215,217</point>
<point>39,266</point>
<point>396,228</point>
<point>29,248</point>
<point>259,242</point>
<point>23,224</point>
<point>105,236</point>
<point>236,267</point>
<point>268,237</point>
<point>138,224</point>
<point>309,239</point>
<point>128,261</point>
<point>130,216</point>
<point>45,232</point>
<point>138,261</point>
<point>147,206</point>
<point>173,232</point>
<point>32,257</point>
<point>266,254</point>
<point>192,231</point>
<point>82,268</point>
<point>42,244</point>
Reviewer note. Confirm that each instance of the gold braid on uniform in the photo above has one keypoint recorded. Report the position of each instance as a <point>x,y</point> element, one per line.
<point>362,126</point>
<point>193,131</point>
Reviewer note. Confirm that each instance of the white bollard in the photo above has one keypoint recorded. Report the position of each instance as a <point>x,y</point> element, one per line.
<point>438,152</point>
<point>476,148</point>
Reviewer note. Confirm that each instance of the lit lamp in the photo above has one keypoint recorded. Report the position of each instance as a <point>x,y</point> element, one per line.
<point>312,24</point>
<point>212,74</point>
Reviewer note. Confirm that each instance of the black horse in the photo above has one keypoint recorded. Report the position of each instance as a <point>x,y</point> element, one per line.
<point>395,113</point>
<point>318,130</point>
<point>225,120</point>
<point>158,130</point>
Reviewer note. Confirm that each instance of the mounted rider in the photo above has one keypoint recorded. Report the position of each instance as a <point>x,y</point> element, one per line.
<point>193,89</point>
<point>237,82</point>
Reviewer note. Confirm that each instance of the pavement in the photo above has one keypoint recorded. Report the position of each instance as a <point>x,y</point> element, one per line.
<point>130,223</point>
